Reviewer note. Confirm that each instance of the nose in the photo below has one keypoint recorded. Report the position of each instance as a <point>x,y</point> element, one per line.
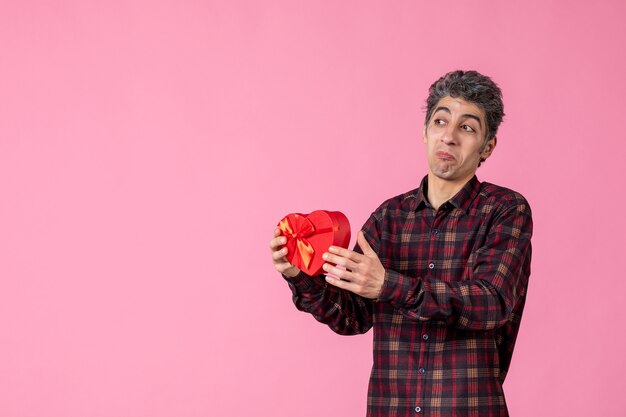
<point>449,135</point>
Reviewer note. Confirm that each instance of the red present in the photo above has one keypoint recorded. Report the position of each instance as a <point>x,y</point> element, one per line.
<point>310,235</point>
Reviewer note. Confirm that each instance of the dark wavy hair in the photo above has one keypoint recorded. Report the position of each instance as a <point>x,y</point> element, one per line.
<point>471,86</point>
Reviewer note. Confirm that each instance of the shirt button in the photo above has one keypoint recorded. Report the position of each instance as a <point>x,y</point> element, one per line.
<point>435,231</point>
<point>431,265</point>
<point>418,409</point>
<point>425,336</point>
<point>422,370</point>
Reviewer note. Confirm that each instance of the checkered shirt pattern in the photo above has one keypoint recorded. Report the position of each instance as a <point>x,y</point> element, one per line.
<point>448,315</point>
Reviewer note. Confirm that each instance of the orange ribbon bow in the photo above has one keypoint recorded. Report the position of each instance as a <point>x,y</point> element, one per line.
<point>296,238</point>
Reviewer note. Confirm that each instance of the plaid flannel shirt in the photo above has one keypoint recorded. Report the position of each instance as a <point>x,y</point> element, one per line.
<point>449,311</point>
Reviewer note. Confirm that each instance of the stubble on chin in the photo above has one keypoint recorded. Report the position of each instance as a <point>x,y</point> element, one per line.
<point>442,170</point>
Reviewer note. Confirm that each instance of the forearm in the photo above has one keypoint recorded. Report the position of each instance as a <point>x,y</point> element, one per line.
<point>472,305</point>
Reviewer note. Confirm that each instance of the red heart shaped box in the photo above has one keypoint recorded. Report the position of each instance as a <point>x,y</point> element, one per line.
<point>310,235</point>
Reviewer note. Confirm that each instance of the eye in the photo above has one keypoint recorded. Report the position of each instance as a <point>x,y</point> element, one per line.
<point>467,128</point>
<point>439,122</point>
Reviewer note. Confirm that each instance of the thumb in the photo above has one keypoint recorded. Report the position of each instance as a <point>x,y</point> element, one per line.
<point>365,246</point>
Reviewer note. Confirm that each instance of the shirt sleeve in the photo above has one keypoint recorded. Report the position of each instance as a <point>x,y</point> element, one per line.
<point>344,312</point>
<point>485,297</point>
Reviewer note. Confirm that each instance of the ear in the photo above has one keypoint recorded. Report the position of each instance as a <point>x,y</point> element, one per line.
<point>488,148</point>
<point>424,134</point>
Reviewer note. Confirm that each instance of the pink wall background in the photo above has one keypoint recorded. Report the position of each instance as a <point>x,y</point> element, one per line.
<point>147,148</point>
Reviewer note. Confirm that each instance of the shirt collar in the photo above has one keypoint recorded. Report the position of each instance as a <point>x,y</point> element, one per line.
<point>460,200</point>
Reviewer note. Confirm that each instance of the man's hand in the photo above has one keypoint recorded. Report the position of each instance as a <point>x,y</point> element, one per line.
<point>363,274</point>
<point>281,263</point>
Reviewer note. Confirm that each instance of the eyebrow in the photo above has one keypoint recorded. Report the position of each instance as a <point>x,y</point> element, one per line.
<point>467,115</point>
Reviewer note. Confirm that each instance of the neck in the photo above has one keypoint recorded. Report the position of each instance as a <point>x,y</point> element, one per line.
<point>440,190</point>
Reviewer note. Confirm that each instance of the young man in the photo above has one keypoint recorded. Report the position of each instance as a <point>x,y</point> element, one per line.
<point>439,272</point>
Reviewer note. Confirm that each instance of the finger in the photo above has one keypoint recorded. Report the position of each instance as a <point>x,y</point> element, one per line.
<point>327,274</point>
<point>279,254</point>
<point>346,285</point>
<point>282,267</point>
<point>277,242</point>
<point>339,272</point>
<point>339,260</point>
<point>346,253</point>
<point>364,244</point>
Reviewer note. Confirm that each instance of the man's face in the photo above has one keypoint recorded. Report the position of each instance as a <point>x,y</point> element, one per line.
<point>455,139</point>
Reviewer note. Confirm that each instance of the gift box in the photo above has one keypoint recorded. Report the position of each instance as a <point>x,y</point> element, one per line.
<point>310,235</point>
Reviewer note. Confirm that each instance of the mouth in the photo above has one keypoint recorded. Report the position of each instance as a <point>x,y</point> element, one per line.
<point>444,156</point>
